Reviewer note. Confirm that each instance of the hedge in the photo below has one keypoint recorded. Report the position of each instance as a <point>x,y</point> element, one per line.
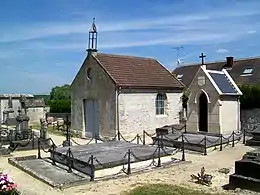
<point>251,96</point>
<point>59,106</point>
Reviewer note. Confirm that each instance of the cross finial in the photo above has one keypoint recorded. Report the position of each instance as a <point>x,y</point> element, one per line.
<point>202,56</point>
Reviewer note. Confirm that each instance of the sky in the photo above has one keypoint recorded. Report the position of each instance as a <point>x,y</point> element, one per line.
<point>43,43</point>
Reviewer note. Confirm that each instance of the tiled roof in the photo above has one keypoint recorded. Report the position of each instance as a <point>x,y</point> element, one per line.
<point>14,95</point>
<point>240,65</point>
<point>139,72</point>
<point>34,103</point>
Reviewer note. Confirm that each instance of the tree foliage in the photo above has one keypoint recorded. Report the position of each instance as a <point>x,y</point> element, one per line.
<point>251,96</point>
<point>60,93</point>
<point>60,99</point>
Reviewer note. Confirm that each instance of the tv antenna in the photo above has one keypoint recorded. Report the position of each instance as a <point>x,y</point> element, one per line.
<point>177,54</point>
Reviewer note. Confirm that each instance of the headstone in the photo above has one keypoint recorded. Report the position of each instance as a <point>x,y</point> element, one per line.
<point>247,170</point>
<point>255,141</point>
<point>44,129</point>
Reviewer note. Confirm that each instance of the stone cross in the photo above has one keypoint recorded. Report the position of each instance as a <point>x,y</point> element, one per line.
<point>202,56</point>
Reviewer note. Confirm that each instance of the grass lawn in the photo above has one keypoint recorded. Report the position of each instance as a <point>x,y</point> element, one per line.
<point>164,189</point>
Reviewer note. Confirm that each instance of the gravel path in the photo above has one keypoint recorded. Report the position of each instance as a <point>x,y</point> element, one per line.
<point>179,174</point>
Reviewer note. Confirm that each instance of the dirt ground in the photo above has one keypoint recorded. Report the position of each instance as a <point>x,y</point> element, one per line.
<point>178,174</point>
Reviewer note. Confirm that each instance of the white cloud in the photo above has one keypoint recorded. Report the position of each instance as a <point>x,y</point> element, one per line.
<point>221,50</point>
<point>251,31</point>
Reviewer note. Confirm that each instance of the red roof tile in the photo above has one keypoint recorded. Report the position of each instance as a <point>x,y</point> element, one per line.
<point>129,71</point>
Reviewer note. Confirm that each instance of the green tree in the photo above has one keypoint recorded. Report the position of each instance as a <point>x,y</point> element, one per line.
<point>60,93</point>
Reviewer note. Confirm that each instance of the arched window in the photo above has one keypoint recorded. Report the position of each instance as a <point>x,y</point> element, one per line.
<point>160,103</point>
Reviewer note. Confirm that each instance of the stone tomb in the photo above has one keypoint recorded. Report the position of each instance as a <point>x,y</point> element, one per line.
<point>108,154</point>
<point>255,141</point>
<point>247,171</point>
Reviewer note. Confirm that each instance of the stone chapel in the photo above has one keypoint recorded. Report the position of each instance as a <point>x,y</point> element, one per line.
<point>213,102</point>
<point>112,93</point>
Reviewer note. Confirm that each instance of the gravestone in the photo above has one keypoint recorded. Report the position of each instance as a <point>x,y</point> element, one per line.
<point>255,141</point>
<point>247,171</point>
<point>44,130</point>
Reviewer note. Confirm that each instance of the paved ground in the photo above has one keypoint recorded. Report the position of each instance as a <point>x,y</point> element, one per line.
<point>179,175</point>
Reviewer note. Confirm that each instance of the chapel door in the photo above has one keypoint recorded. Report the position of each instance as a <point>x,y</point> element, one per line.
<point>203,113</point>
<point>91,117</point>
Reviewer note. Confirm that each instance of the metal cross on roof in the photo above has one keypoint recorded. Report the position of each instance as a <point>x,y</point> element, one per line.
<point>202,56</point>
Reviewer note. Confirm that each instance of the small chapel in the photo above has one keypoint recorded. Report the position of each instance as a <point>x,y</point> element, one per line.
<point>213,104</point>
<point>112,93</point>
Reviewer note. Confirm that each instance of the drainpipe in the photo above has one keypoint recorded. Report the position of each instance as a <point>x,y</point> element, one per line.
<point>117,111</point>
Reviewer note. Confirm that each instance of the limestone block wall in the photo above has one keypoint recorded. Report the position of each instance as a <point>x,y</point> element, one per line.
<point>137,112</point>
<point>194,92</point>
<point>230,114</point>
<point>36,114</point>
<point>100,88</point>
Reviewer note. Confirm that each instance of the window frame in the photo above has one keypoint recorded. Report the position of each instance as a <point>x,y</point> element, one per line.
<point>160,104</point>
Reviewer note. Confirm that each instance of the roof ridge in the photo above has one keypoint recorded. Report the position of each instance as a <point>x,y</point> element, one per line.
<point>128,56</point>
<point>219,61</point>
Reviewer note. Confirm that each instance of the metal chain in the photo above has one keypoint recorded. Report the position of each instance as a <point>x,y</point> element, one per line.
<point>127,140</point>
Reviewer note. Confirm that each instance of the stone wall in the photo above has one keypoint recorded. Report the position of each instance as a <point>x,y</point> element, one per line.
<point>100,88</point>
<point>137,111</point>
<point>250,119</point>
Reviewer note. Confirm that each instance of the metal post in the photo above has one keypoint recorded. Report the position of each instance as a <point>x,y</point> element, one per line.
<point>118,135</point>
<point>39,148</point>
<point>221,142</point>
<point>92,174</point>
<point>185,128</point>
<point>205,145</point>
<point>67,127</point>
<point>128,172</point>
<point>244,136</point>
<point>143,137</point>
<point>137,138</point>
<point>32,139</point>
<point>159,153</point>
<point>183,152</point>
<point>233,139</point>
<point>69,160</point>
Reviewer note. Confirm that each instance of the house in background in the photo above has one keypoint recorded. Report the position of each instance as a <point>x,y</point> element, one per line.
<point>122,93</point>
<point>242,71</point>
<point>213,104</point>
<point>11,103</point>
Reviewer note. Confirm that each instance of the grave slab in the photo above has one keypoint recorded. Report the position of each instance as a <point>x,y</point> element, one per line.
<point>56,176</point>
<point>112,153</point>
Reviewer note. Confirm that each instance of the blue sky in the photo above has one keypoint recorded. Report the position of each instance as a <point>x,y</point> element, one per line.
<point>43,43</point>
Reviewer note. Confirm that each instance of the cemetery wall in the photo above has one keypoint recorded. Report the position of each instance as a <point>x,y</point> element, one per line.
<point>250,119</point>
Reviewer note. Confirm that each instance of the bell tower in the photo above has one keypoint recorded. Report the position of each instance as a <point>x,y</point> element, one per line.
<point>92,40</point>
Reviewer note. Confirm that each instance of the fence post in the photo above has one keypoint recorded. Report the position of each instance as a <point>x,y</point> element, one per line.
<point>221,142</point>
<point>92,171</point>
<point>159,153</point>
<point>137,138</point>
<point>69,160</point>
<point>183,152</point>
<point>244,136</point>
<point>95,140</point>
<point>39,148</point>
<point>52,154</point>
<point>118,135</point>
<point>233,139</point>
<point>185,128</point>
<point>128,172</point>
<point>205,145</point>
<point>32,139</point>
<point>143,137</point>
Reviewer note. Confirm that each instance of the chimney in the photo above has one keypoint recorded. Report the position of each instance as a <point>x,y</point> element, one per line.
<point>229,62</point>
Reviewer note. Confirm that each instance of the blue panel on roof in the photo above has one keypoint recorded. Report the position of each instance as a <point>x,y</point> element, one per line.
<point>223,83</point>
